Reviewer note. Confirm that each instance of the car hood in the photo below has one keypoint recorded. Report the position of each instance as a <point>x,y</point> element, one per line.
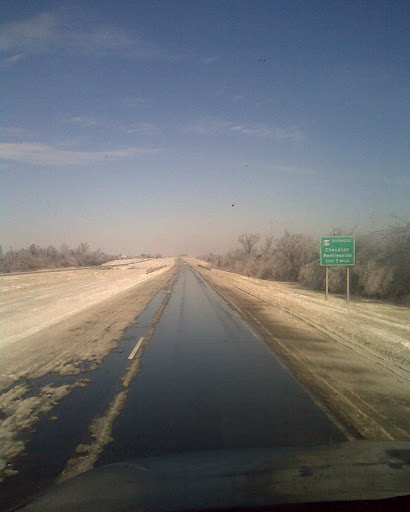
<point>357,470</point>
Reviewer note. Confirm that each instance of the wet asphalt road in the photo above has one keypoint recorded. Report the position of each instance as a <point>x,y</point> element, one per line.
<point>209,382</point>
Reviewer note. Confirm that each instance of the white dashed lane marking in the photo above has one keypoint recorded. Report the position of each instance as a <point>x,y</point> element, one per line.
<point>137,346</point>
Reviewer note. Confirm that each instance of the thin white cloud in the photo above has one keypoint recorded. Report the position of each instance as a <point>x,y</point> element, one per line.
<point>209,60</point>
<point>207,127</point>
<point>83,121</point>
<point>266,101</point>
<point>143,128</point>
<point>134,101</point>
<point>39,154</point>
<point>14,58</point>
<point>14,131</point>
<point>224,90</point>
<point>213,126</point>
<point>238,95</point>
<point>57,33</point>
<point>293,134</point>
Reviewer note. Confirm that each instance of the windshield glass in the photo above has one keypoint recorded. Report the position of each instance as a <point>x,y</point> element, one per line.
<point>205,237</point>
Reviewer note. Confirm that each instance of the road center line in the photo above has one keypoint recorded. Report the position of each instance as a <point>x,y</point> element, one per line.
<point>137,346</point>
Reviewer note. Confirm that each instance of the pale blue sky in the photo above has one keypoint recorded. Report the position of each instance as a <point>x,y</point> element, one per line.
<point>136,125</point>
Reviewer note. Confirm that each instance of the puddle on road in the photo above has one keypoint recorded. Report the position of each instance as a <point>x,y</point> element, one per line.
<point>54,439</point>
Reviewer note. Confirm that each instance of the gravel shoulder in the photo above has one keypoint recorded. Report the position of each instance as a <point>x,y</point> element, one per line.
<point>355,357</point>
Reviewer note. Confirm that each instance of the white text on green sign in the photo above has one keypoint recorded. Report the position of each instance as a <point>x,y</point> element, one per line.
<point>337,251</point>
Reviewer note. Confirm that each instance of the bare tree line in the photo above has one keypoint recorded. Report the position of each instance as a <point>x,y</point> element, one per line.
<point>35,258</point>
<point>382,267</point>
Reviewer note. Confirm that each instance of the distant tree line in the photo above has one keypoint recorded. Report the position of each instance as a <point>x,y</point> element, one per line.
<point>149,255</point>
<point>382,269</point>
<point>35,258</point>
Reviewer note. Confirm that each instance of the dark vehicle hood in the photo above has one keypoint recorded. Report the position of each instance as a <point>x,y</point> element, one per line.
<point>358,470</point>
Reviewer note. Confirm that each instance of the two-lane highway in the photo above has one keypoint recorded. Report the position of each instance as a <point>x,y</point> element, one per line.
<point>209,382</point>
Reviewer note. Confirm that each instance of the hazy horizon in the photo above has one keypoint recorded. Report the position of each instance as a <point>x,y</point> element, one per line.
<point>224,247</point>
<point>173,127</point>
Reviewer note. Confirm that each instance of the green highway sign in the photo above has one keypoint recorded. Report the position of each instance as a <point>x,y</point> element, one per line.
<point>337,251</point>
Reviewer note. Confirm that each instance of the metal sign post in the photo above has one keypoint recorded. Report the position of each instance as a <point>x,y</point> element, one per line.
<point>347,284</point>
<point>337,251</point>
